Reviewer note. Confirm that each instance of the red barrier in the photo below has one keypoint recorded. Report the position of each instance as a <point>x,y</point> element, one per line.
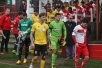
<point>95,51</point>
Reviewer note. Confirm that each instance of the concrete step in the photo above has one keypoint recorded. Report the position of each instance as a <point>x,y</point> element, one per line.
<point>11,41</point>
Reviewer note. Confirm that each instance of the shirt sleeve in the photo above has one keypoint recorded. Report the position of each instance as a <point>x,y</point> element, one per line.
<point>50,28</point>
<point>32,19</point>
<point>74,34</point>
<point>2,21</point>
<point>19,26</point>
<point>30,26</point>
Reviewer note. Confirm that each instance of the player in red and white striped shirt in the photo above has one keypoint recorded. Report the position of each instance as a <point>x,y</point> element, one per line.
<point>79,36</point>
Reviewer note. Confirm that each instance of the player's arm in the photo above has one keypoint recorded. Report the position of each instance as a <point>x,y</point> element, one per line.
<point>74,33</point>
<point>1,23</point>
<point>31,35</point>
<point>50,28</point>
<point>32,18</point>
<point>29,26</point>
<point>2,34</point>
<point>19,27</point>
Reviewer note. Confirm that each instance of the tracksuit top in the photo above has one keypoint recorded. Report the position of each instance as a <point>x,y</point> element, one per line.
<point>5,22</point>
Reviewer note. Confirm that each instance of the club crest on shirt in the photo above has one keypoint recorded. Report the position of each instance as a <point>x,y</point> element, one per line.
<point>41,29</point>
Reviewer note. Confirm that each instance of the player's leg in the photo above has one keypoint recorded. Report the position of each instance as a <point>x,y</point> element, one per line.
<point>27,43</point>
<point>44,53</point>
<point>36,54</point>
<point>20,52</point>
<point>54,53</point>
<point>15,46</point>
<point>86,54</point>
<point>77,56</point>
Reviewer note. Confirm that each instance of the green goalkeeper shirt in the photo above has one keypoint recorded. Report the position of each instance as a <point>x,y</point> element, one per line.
<point>56,29</point>
<point>24,25</point>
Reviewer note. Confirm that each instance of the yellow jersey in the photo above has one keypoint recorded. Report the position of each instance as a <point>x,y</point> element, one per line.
<point>66,8</point>
<point>40,33</point>
<point>49,15</point>
<point>35,18</point>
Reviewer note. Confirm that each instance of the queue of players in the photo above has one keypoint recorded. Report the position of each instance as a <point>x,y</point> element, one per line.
<point>56,27</point>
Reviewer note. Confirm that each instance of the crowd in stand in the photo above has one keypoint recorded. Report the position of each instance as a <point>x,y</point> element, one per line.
<point>43,23</point>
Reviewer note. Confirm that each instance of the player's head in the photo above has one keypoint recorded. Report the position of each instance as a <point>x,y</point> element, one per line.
<point>70,9</point>
<point>84,22</point>
<point>50,10</point>
<point>42,16</point>
<point>24,16</point>
<point>35,12</point>
<point>57,16</point>
<point>23,2</point>
<point>75,3</point>
<point>7,11</point>
<point>58,8</point>
<point>20,14</point>
<point>82,3</point>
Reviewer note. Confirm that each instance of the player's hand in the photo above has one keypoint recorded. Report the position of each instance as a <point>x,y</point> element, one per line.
<point>33,45</point>
<point>50,47</point>
<point>4,37</point>
<point>20,32</point>
<point>76,44</point>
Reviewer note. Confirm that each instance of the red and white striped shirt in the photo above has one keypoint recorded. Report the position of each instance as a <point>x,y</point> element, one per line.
<point>79,34</point>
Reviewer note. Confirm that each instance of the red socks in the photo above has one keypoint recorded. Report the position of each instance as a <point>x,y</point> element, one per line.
<point>83,63</point>
<point>76,64</point>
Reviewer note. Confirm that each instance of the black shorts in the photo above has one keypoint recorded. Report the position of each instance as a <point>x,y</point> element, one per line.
<point>40,49</point>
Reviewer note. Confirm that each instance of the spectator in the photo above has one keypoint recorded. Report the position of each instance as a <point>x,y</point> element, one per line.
<point>23,7</point>
<point>69,41</point>
<point>63,14</point>
<point>5,27</point>
<point>15,30</point>
<point>66,5</point>
<point>47,6</point>
<point>24,26</point>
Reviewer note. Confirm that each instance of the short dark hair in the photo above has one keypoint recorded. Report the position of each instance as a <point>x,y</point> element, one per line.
<point>20,13</point>
<point>42,14</point>
<point>58,7</point>
<point>84,20</point>
<point>57,14</point>
<point>70,8</point>
<point>24,14</point>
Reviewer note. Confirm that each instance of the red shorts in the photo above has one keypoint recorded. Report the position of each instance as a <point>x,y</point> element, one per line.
<point>81,50</point>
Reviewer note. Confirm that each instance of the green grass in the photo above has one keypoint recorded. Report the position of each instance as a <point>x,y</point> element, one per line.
<point>66,64</point>
<point>90,64</point>
<point>10,66</point>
